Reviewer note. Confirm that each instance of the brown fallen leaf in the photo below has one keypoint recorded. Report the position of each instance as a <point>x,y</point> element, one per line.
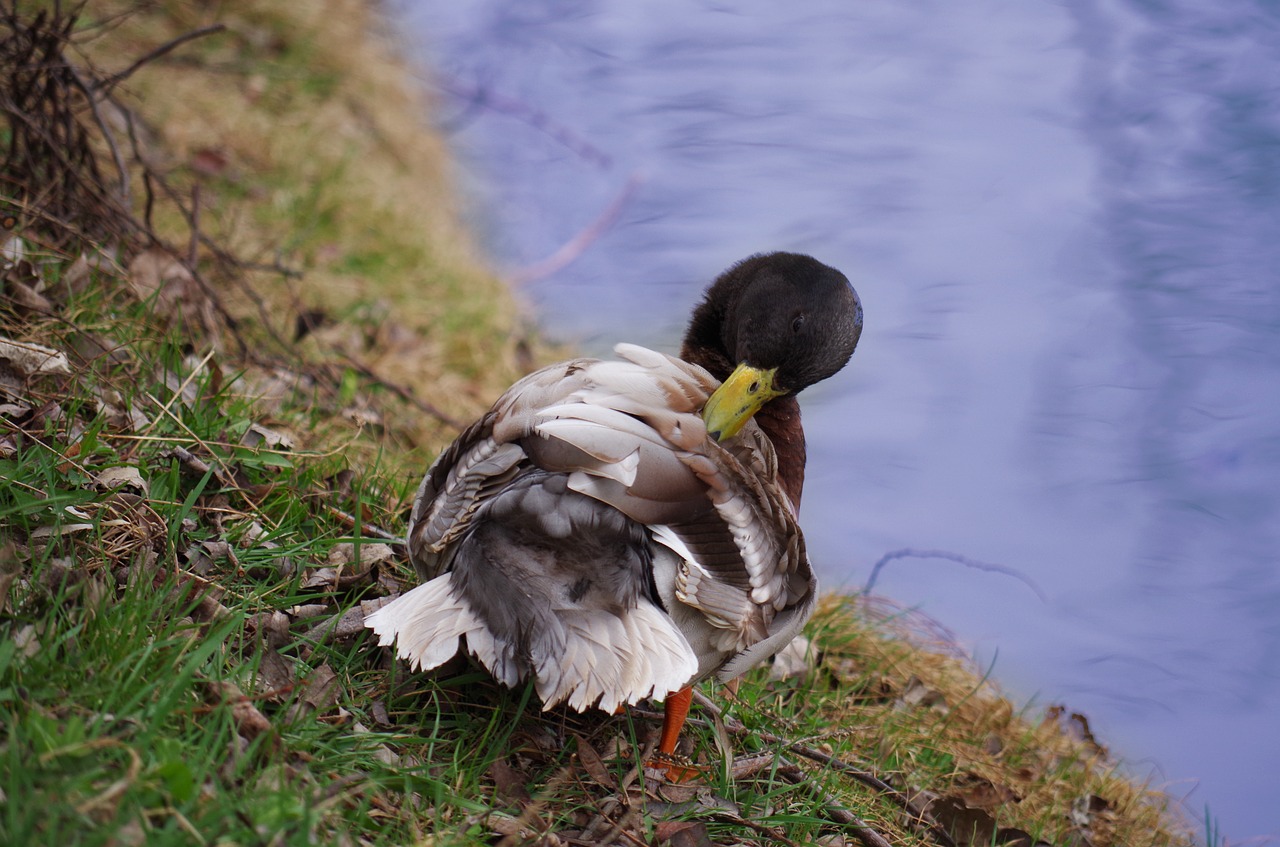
<point>75,279</point>
<point>966,826</point>
<point>249,720</point>
<point>158,276</point>
<point>122,476</point>
<point>209,161</point>
<point>276,674</point>
<point>320,693</point>
<point>258,435</point>
<point>24,296</point>
<point>1075,725</point>
<point>978,792</point>
<point>29,359</point>
<point>594,765</point>
<point>682,833</point>
<point>371,553</point>
<point>917,693</point>
<point>512,785</point>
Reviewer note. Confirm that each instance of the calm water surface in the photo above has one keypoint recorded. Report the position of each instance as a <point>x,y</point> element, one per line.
<point>1064,222</point>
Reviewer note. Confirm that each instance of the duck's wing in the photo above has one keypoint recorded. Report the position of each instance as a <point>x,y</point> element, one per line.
<point>628,435</point>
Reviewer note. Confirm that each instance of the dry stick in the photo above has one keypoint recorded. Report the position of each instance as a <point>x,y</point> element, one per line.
<point>864,833</point>
<point>908,552</point>
<point>115,79</point>
<point>193,245</point>
<point>401,391</point>
<point>149,199</point>
<point>568,252</point>
<point>107,135</point>
<point>351,521</point>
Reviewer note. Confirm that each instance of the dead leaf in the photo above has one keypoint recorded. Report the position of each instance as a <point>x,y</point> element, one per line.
<point>10,570</point>
<point>122,476</point>
<point>42,532</point>
<point>978,792</point>
<point>250,722</point>
<point>276,674</point>
<point>309,610</point>
<point>26,641</point>
<point>157,276</point>
<point>209,161</point>
<point>1010,837</point>
<point>682,833</point>
<point>510,827</point>
<point>1075,725</point>
<point>319,694</point>
<point>33,359</point>
<point>917,693</point>
<point>967,826</point>
<point>594,765</point>
<point>349,624</point>
<point>76,277</point>
<point>511,784</point>
<point>370,554</point>
<point>13,251</point>
<point>27,299</point>
<point>257,435</point>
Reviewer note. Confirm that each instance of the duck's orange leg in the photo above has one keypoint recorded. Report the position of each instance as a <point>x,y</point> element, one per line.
<point>674,711</point>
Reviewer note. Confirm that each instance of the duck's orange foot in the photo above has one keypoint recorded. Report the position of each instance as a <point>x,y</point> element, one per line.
<point>672,768</point>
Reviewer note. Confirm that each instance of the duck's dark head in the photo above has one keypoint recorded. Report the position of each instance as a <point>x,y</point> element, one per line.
<point>769,327</point>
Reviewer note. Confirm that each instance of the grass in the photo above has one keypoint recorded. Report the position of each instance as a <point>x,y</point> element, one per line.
<point>189,536</point>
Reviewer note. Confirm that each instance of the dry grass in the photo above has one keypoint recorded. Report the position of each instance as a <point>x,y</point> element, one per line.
<point>310,151</point>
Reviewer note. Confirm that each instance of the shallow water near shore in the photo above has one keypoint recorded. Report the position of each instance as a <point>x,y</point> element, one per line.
<point>1064,223</point>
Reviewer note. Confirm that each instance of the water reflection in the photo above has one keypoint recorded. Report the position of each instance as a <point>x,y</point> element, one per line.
<point>1064,221</point>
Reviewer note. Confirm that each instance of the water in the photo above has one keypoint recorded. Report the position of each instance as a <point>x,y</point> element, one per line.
<point>1064,223</point>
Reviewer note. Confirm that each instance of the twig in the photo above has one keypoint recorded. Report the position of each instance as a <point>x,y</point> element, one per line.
<point>115,79</point>
<point>576,246</point>
<point>193,246</point>
<point>349,520</point>
<point>400,391</point>
<point>479,95</point>
<point>860,828</point>
<point>107,134</point>
<point>908,552</point>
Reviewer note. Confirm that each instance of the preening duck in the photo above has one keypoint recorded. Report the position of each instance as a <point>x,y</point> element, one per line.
<point>621,529</point>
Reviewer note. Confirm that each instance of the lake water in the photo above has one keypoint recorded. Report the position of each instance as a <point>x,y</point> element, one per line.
<point>1064,223</point>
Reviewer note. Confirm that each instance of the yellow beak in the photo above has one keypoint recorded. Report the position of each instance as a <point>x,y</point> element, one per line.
<point>737,399</point>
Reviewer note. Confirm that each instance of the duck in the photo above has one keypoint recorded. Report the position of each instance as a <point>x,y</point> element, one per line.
<point>617,530</point>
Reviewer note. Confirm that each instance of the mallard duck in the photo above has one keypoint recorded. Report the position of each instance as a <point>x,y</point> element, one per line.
<point>620,529</point>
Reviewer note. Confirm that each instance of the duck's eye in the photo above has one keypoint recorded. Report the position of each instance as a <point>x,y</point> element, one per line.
<point>797,323</point>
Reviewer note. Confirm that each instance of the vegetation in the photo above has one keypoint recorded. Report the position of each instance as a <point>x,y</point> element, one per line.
<point>238,317</point>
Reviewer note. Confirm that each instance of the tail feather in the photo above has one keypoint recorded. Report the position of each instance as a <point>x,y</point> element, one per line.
<point>426,623</point>
<point>612,660</point>
<point>604,660</point>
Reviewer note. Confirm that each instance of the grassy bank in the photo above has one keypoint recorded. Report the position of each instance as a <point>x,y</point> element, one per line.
<point>239,316</point>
